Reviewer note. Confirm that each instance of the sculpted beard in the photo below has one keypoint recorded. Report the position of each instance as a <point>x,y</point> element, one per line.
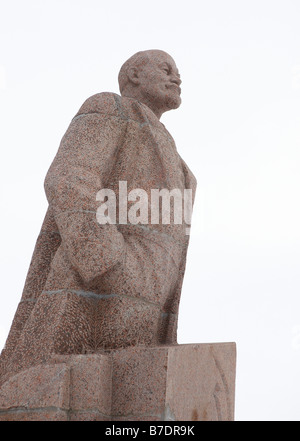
<point>163,96</point>
<point>173,99</point>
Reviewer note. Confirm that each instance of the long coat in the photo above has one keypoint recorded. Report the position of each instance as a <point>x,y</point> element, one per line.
<point>90,286</point>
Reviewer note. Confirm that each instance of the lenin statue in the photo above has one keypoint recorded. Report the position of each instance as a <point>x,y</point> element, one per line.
<point>96,286</point>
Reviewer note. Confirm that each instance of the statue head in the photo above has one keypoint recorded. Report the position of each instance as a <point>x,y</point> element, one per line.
<point>151,77</point>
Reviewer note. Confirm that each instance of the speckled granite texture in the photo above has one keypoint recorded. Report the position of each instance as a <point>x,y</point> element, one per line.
<point>94,336</point>
<point>165,383</point>
<point>92,286</point>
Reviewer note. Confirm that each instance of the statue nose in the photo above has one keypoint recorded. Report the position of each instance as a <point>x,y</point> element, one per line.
<point>176,80</point>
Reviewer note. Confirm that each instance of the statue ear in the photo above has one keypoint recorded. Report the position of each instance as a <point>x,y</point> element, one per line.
<point>133,75</point>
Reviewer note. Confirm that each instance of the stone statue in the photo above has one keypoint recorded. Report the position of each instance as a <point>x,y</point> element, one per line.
<point>93,286</point>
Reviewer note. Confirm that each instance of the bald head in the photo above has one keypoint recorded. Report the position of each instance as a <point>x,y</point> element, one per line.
<point>137,61</point>
<point>151,77</point>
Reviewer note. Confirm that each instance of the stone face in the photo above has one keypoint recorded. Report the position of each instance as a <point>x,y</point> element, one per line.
<point>91,389</point>
<point>93,286</point>
<point>37,387</point>
<point>34,415</point>
<point>139,381</point>
<point>194,382</point>
<point>211,398</point>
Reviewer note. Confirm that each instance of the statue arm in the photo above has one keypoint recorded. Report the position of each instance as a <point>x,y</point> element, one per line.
<point>80,169</point>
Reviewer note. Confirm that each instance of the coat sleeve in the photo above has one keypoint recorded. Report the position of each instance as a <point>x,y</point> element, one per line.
<point>80,169</point>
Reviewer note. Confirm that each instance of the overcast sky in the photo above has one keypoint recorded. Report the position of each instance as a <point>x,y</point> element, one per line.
<point>238,129</point>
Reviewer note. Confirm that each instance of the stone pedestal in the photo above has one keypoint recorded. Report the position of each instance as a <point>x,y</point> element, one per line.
<point>193,382</point>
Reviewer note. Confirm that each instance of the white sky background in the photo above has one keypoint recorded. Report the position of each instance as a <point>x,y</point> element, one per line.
<point>238,129</point>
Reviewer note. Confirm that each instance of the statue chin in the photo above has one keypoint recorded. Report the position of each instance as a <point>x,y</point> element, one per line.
<point>173,102</point>
<point>164,102</point>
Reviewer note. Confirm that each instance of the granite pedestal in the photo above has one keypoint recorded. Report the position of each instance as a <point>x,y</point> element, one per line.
<point>192,382</point>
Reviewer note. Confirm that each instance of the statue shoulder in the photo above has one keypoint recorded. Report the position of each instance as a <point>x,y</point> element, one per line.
<point>104,102</point>
<point>112,104</point>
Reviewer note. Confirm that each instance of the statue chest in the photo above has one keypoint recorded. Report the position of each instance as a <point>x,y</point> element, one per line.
<point>147,158</point>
